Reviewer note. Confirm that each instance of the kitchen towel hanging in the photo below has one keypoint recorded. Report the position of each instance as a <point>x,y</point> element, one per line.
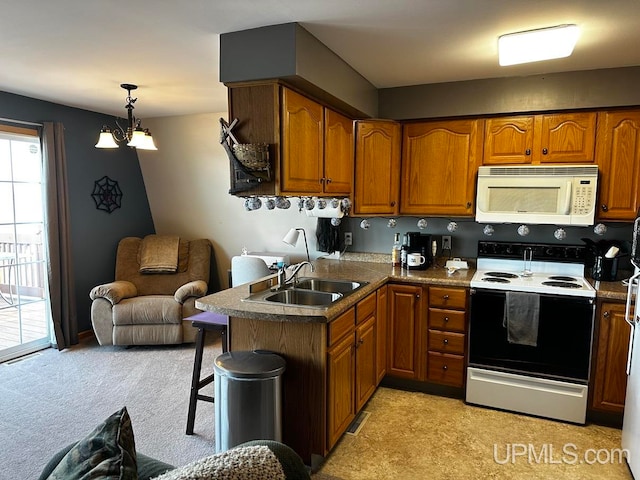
<point>521,317</point>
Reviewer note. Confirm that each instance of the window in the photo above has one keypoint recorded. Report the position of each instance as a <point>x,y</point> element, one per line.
<point>24,306</point>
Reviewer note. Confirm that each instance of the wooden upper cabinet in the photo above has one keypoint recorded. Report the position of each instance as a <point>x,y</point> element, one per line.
<point>508,140</point>
<point>618,158</point>
<point>439,165</point>
<point>338,153</point>
<point>377,167</point>
<point>302,144</point>
<point>545,138</point>
<point>565,137</point>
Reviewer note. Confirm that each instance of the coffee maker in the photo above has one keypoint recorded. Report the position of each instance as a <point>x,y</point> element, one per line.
<point>420,243</point>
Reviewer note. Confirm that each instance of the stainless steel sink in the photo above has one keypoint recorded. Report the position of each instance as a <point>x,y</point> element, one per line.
<point>307,292</point>
<point>307,298</point>
<point>328,285</point>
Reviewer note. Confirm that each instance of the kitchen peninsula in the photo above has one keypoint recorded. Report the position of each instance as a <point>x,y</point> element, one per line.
<point>336,356</point>
<point>307,338</point>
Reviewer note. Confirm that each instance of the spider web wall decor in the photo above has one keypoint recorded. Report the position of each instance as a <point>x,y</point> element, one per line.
<point>106,194</point>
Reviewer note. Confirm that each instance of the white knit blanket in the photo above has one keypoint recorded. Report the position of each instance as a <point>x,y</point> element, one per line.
<point>241,463</point>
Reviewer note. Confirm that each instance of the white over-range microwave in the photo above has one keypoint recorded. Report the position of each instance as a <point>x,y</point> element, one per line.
<point>537,194</point>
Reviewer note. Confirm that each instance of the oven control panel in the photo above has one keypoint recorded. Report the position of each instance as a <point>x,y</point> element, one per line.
<point>542,252</point>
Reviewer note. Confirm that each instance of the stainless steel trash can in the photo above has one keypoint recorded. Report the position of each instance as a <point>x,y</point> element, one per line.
<point>248,397</point>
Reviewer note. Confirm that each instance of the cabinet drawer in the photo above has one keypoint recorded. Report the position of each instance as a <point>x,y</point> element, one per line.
<point>446,342</point>
<point>446,369</point>
<point>365,308</point>
<point>342,325</point>
<point>448,297</point>
<point>450,320</point>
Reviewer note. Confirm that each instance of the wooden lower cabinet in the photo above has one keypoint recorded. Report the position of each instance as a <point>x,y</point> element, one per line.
<point>406,331</point>
<point>447,335</point>
<point>610,379</point>
<point>341,378</point>
<point>352,371</point>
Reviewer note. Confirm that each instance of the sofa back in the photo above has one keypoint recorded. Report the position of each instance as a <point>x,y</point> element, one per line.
<point>194,262</point>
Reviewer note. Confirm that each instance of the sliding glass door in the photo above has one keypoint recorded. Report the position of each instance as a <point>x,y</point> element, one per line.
<point>24,306</point>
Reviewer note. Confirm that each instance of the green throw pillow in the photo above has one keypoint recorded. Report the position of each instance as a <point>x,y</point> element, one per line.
<point>108,452</point>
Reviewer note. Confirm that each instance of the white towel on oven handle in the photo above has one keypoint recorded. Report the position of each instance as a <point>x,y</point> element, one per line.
<point>521,317</point>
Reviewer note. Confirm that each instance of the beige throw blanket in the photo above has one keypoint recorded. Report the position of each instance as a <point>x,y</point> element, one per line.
<point>159,254</point>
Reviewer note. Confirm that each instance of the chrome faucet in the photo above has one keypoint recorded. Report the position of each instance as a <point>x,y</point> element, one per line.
<point>282,274</point>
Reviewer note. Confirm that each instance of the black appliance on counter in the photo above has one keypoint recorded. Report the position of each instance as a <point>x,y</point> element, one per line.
<point>420,243</point>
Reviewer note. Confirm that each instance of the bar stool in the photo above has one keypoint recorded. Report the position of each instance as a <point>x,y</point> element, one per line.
<point>204,322</point>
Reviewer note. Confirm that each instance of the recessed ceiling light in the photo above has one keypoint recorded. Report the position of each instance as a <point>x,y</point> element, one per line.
<point>537,45</point>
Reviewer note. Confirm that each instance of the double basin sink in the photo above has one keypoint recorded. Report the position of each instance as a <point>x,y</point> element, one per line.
<point>308,292</point>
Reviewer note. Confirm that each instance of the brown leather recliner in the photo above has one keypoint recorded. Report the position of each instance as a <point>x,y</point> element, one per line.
<point>150,308</point>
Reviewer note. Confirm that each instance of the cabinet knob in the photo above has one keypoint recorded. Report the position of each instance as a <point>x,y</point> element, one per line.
<point>445,297</point>
<point>606,314</point>
<point>393,204</point>
<point>545,151</point>
<point>445,368</point>
<point>327,180</point>
<point>321,180</point>
<point>445,341</point>
<point>527,151</point>
<point>359,342</point>
<point>605,207</point>
<point>446,319</point>
<point>469,204</point>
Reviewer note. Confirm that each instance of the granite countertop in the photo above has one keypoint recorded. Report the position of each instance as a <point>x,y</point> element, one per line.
<point>372,268</point>
<point>375,272</point>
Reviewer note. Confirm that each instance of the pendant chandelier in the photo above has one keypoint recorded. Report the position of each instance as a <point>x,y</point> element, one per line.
<point>134,134</point>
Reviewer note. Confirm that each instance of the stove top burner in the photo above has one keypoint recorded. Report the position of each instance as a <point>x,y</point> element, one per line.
<point>563,278</point>
<point>561,284</point>
<point>495,279</point>
<point>501,275</point>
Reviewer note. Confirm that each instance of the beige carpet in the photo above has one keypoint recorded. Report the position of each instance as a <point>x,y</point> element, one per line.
<point>417,436</point>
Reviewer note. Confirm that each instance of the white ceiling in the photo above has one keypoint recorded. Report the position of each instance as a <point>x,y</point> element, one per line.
<point>78,52</point>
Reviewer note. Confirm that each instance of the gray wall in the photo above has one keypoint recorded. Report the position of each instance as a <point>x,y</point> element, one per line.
<point>613,87</point>
<point>94,233</point>
<point>290,52</point>
<point>379,237</point>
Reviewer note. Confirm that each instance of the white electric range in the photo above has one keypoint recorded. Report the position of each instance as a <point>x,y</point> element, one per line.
<point>530,330</point>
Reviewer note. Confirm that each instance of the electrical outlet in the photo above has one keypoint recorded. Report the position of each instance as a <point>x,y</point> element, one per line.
<point>348,239</point>
<point>446,242</point>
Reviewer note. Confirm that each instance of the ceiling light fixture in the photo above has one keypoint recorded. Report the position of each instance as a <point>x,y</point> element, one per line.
<point>537,45</point>
<point>134,134</point>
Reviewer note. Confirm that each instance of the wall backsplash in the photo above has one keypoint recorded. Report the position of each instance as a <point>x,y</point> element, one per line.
<point>379,237</point>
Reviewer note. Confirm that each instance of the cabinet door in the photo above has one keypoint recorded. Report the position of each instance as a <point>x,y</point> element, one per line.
<point>381,333</point>
<point>377,168</point>
<point>439,166</point>
<point>618,158</point>
<point>338,153</point>
<point>366,374</point>
<point>341,378</point>
<point>508,140</point>
<point>406,352</point>
<point>565,138</point>
<point>302,144</point>
<point>610,384</point>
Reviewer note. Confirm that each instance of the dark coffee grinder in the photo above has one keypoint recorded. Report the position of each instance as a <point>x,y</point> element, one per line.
<point>421,244</point>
